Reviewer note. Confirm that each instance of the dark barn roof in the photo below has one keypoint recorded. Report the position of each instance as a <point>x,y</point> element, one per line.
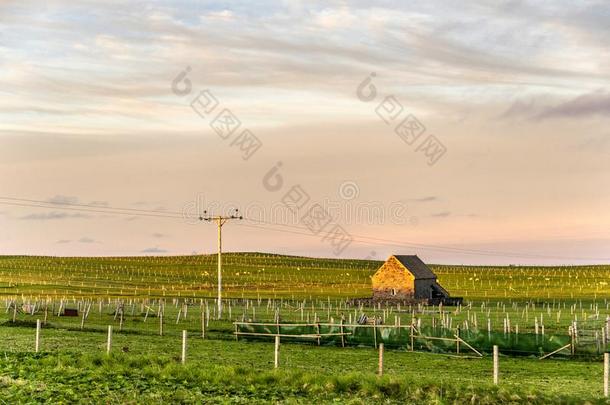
<point>415,265</point>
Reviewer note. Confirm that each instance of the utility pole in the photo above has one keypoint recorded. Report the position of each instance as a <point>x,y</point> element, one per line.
<point>220,221</point>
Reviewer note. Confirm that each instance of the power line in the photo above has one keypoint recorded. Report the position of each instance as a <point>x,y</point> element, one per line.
<point>362,238</point>
<point>58,204</point>
<point>100,211</point>
<point>389,242</point>
<point>356,238</point>
<point>288,228</point>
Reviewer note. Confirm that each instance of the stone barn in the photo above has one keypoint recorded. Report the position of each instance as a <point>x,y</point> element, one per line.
<point>405,278</point>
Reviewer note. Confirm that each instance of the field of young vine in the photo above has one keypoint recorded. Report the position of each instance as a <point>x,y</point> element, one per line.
<point>257,275</point>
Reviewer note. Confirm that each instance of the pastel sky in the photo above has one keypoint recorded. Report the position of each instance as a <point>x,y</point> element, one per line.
<point>516,93</point>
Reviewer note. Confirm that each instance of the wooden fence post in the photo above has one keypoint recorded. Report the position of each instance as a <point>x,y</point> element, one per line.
<point>178,317</point>
<point>82,321</point>
<point>412,328</point>
<point>606,373</point>
<point>183,357</point>
<point>496,365</point>
<point>109,340</point>
<point>276,361</point>
<point>202,324</point>
<point>37,346</point>
<point>161,324</point>
<point>375,334</point>
<point>380,371</point>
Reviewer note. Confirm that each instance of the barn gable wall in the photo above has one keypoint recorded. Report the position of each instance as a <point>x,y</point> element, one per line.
<point>392,281</point>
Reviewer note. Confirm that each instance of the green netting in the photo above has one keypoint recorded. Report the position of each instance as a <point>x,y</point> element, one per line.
<point>400,337</point>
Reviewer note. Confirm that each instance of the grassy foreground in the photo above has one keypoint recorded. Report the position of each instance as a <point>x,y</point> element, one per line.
<point>73,368</point>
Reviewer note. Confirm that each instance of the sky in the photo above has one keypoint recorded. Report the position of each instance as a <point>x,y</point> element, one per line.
<point>466,133</point>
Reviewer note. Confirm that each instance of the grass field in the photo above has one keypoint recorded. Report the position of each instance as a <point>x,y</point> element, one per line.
<point>514,302</point>
<point>73,367</point>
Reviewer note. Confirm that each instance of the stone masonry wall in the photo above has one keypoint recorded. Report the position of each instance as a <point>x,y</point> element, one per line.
<point>392,281</point>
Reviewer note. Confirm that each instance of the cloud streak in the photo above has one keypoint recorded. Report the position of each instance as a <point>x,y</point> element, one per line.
<point>62,199</point>
<point>54,215</point>
<point>593,104</point>
<point>443,214</point>
<point>153,250</point>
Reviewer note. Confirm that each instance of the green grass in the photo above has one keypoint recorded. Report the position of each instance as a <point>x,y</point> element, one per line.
<point>73,367</point>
